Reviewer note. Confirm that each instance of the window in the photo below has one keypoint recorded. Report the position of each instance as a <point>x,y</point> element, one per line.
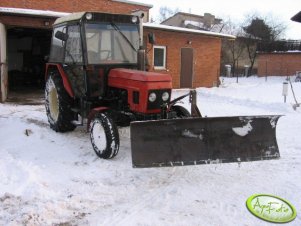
<point>112,43</point>
<point>57,47</point>
<point>160,57</point>
<point>73,52</point>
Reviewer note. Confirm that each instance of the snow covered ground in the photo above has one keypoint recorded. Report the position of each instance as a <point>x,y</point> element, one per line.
<point>49,178</point>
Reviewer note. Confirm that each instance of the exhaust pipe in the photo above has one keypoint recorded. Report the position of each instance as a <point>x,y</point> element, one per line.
<point>141,51</point>
<point>141,59</point>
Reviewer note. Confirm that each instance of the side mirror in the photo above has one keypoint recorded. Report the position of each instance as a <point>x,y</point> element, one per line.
<point>61,36</point>
<point>151,38</point>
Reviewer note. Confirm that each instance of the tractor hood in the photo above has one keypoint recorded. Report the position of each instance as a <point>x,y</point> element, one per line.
<point>136,75</point>
<point>138,86</point>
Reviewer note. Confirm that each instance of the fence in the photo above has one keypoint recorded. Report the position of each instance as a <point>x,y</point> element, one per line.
<point>279,46</point>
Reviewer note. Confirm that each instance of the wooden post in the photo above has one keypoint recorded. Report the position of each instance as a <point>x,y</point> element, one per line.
<point>266,70</point>
<point>236,71</point>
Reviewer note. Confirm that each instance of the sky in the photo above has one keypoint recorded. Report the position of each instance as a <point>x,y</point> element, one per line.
<point>236,10</point>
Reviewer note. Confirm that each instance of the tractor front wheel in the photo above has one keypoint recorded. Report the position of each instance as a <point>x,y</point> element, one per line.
<point>181,112</point>
<point>104,136</point>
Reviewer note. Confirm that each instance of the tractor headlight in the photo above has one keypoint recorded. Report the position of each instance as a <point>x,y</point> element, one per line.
<point>89,16</point>
<point>152,97</point>
<point>165,96</point>
<point>134,19</point>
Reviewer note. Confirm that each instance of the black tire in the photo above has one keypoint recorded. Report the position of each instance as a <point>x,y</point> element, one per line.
<point>58,104</point>
<point>104,136</point>
<point>181,112</point>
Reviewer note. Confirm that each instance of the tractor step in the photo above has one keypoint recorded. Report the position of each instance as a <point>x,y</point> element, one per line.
<point>80,122</point>
<point>193,141</point>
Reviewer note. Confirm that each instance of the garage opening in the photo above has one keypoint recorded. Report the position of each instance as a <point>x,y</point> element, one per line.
<point>27,49</point>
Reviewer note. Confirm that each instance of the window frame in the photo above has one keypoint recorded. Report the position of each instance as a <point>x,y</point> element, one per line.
<point>113,32</point>
<point>164,57</point>
<point>76,62</point>
<point>53,55</point>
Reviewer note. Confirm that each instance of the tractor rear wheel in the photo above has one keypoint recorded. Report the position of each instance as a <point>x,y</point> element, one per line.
<point>58,104</point>
<point>104,136</point>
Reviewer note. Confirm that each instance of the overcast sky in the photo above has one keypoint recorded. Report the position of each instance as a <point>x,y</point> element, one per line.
<point>283,10</point>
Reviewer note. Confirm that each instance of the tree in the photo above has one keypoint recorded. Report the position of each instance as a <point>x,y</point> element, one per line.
<point>259,29</point>
<point>166,12</point>
<point>231,49</point>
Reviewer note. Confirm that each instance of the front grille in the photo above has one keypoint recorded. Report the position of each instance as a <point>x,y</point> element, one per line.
<point>158,102</point>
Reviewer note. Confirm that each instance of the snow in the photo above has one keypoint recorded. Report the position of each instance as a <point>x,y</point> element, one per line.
<point>187,30</point>
<point>35,12</point>
<point>48,178</point>
<point>244,130</point>
<point>188,133</point>
<point>194,23</point>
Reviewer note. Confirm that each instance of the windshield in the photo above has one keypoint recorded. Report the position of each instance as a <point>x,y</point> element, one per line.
<point>116,43</point>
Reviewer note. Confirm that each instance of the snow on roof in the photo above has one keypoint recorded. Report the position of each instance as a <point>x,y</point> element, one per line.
<point>134,3</point>
<point>34,12</point>
<point>187,30</point>
<point>194,23</point>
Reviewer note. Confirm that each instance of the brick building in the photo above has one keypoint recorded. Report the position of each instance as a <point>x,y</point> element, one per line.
<point>279,63</point>
<point>191,57</point>
<point>282,58</point>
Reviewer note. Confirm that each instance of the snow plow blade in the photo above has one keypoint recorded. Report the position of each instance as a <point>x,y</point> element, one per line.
<point>193,141</point>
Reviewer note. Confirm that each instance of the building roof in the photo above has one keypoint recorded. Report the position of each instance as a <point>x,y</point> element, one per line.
<point>187,30</point>
<point>297,17</point>
<point>188,15</point>
<point>134,3</point>
<point>32,12</point>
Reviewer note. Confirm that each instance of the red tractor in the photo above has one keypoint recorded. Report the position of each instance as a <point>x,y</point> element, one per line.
<point>96,75</point>
<point>92,74</point>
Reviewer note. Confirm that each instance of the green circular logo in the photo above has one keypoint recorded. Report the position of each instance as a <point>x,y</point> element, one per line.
<point>271,208</point>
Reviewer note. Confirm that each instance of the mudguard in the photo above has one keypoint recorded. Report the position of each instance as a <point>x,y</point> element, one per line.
<point>193,141</point>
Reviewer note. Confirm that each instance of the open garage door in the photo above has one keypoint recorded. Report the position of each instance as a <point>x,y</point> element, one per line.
<point>26,52</point>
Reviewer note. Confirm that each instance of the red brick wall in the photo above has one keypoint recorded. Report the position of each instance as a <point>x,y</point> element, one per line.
<point>279,64</point>
<point>23,21</point>
<point>207,54</point>
<point>73,5</point>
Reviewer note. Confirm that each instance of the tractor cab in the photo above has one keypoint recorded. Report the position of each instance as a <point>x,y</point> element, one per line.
<point>88,45</point>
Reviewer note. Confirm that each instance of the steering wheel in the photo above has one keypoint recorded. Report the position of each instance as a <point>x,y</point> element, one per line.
<point>109,54</point>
